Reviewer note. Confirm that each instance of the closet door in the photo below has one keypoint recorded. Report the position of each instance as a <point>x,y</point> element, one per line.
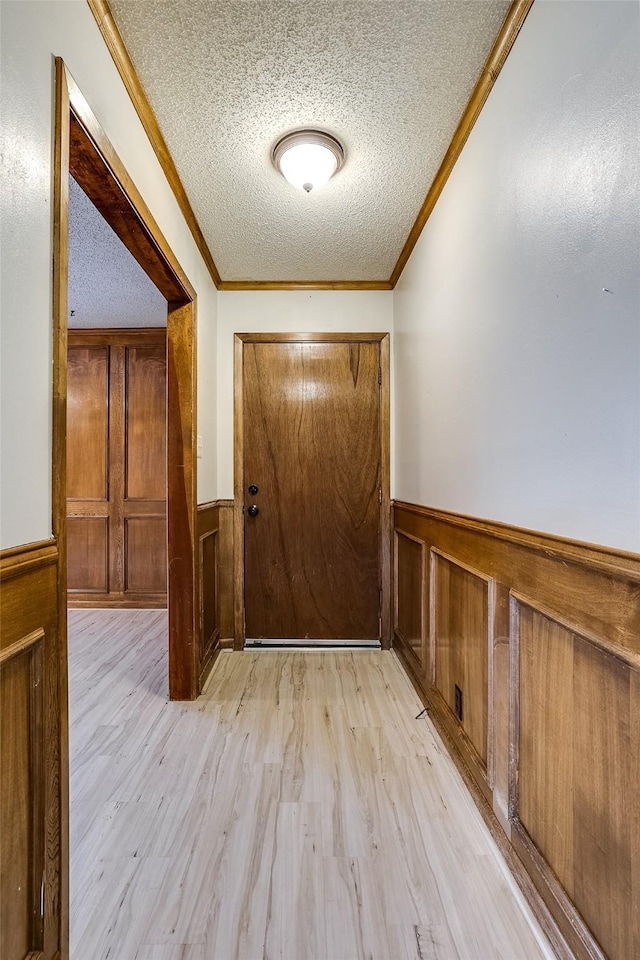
<point>116,487</point>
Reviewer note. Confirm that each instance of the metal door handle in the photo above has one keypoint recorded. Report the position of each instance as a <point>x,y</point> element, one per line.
<point>253,510</point>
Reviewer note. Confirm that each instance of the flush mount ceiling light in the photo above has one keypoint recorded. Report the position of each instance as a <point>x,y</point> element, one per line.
<point>308,158</point>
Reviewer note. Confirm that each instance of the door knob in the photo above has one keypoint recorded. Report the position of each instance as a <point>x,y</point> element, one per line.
<point>253,489</point>
<point>253,510</point>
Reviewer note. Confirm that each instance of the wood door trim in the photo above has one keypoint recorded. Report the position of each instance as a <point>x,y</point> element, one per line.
<point>106,181</point>
<point>312,337</point>
<point>238,465</point>
<point>126,337</point>
<point>305,285</point>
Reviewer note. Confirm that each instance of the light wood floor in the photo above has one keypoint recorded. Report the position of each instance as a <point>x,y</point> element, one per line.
<point>297,810</point>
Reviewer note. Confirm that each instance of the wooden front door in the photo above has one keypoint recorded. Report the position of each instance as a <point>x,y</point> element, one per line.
<point>312,448</point>
<point>116,467</point>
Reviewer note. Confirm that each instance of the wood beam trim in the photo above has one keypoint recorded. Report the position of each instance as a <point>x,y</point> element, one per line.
<point>305,285</point>
<point>495,61</point>
<point>124,65</point>
<point>117,198</point>
<point>127,336</point>
<point>336,337</point>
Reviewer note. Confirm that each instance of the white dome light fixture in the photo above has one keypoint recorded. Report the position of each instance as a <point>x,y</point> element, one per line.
<point>307,159</point>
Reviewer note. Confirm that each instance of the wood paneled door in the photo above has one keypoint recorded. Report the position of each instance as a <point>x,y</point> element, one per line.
<point>312,488</point>
<point>116,467</point>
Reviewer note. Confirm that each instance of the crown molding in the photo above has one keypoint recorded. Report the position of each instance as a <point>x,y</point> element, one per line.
<point>305,285</point>
<point>495,61</point>
<point>124,65</point>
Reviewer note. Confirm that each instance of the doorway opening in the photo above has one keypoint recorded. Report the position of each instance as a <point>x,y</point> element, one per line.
<point>83,150</point>
<point>116,420</point>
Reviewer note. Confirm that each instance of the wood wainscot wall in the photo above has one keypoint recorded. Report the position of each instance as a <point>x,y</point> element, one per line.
<point>525,648</point>
<point>215,554</point>
<point>117,468</point>
<point>32,754</point>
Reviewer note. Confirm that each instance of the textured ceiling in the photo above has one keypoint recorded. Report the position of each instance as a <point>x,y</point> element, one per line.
<point>107,287</point>
<point>227,78</point>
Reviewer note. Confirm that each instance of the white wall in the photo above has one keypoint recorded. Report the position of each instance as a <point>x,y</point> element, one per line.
<point>518,377</point>
<point>285,311</point>
<point>32,34</point>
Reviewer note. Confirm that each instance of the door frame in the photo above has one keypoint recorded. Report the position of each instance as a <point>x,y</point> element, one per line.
<point>82,148</point>
<point>382,339</point>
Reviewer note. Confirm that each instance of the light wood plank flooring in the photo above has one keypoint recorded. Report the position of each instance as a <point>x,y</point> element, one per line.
<point>297,810</point>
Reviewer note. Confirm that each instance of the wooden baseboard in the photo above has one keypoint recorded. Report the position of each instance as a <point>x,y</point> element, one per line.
<point>83,601</point>
<point>536,640</point>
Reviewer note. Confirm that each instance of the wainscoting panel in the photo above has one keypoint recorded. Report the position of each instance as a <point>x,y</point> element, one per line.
<point>575,794</point>
<point>117,468</point>
<point>215,557</point>
<point>32,723</point>
<point>460,645</point>
<point>544,634</point>
<point>409,597</point>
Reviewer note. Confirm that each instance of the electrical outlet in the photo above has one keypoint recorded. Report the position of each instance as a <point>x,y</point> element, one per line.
<point>458,701</point>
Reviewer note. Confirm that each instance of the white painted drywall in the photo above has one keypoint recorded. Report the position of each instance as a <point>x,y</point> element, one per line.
<point>285,311</point>
<point>517,319</point>
<point>32,34</point>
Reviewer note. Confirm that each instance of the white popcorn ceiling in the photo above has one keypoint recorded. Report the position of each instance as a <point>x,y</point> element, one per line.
<point>227,78</point>
<point>107,287</point>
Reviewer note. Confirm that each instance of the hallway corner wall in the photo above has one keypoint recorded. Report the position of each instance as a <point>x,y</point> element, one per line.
<point>32,34</point>
<point>517,372</point>
<point>517,329</point>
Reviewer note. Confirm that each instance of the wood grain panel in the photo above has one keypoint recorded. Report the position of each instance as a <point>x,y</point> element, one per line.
<point>87,422</point>
<point>460,645</point>
<point>225,569</point>
<point>146,555</point>
<point>606,801</point>
<point>131,386</point>
<point>209,577</point>
<point>215,539</point>
<point>545,739</point>
<point>312,446</point>
<point>87,555</point>
<point>409,596</point>
<point>31,703</point>
<point>240,340</point>
<point>21,796</point>
<point>146,434</point>
<point>577,799</point>
<point>571,682</point>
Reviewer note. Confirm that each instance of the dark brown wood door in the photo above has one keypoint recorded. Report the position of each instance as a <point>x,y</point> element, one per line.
<point>312,446</point>
<point>116,467</point>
